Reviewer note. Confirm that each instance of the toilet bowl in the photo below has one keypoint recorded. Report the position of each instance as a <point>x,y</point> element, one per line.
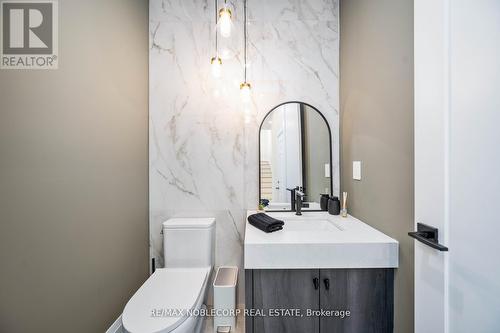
<point>167,302</point>
<point>171,299</point>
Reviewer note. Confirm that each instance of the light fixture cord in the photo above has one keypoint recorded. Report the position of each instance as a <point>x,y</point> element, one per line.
<point>245,35</point>
<point>216,20</point>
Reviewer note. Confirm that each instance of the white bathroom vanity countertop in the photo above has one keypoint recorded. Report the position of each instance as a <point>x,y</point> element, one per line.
<point>318,240</point>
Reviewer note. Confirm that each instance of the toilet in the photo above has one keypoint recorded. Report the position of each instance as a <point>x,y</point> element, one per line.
<point>171,297</point>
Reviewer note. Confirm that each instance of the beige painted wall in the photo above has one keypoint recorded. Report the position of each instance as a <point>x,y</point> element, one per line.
<point>376,97</point>
<point>73,174</point>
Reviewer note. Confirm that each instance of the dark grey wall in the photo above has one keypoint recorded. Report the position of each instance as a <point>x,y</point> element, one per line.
<point>73,174</point>
<point>376,98</point>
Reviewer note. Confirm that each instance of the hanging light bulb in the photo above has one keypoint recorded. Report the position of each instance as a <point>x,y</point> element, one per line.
<point>216,65</point>
<point>225,23</point>
<point>245,87</point>
<point>245,92</point>
<point>216,62</point>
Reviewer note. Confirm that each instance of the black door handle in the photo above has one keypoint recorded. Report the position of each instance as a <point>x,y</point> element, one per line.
<point>316,283</point>
<point>327,284</point>
<point>427,235</point>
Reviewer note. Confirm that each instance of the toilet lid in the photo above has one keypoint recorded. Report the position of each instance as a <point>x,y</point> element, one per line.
<point>162,302</point>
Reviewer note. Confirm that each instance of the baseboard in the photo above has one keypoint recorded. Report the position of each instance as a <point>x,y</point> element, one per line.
<point>116,327</point>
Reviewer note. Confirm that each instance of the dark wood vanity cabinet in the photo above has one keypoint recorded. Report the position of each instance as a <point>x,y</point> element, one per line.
<point>278,300</point>
<point>285,289</point>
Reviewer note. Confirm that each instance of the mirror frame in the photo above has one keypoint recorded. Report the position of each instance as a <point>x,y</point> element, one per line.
<point>330,145</point>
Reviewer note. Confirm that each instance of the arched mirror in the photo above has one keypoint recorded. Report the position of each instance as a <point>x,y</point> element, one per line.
<point>295,148</point>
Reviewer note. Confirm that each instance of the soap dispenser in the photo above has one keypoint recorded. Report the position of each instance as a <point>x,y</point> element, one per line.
<point>334,206</point>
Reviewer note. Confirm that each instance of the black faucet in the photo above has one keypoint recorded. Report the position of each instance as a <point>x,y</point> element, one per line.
<point>299,198</point>
<point>292,197</point>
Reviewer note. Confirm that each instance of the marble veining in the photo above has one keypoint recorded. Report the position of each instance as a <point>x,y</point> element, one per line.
<point>203,140</point>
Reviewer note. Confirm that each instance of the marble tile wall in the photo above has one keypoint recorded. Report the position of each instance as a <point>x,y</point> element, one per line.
<point>203,139</point>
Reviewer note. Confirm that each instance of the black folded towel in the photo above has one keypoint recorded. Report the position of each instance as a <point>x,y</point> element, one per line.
<point>265,222</point>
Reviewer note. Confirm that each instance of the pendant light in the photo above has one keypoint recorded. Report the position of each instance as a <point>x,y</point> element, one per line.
<point>225,24</point>
<point>216,62</point>
<point>245,87</point>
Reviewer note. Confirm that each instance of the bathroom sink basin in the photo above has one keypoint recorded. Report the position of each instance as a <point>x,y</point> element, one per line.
<point>318,240</point>
<point>310,226</point>
<point>307,222</point>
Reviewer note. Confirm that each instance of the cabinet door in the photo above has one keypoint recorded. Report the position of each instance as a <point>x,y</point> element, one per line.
<point>366,293</point>
<point>286,289</point>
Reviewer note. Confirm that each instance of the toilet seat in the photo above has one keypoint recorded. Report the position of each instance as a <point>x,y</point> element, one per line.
<point>169,289</point>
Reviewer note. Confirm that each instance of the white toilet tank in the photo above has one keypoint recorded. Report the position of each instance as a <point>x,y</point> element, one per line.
<point>189,242</point>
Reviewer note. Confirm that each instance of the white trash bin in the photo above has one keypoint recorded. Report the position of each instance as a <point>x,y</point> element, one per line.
<point>225,299</point>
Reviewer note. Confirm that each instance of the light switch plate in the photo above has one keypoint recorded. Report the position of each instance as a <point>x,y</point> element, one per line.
<point>356,170</point>
<point>327,170</point>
